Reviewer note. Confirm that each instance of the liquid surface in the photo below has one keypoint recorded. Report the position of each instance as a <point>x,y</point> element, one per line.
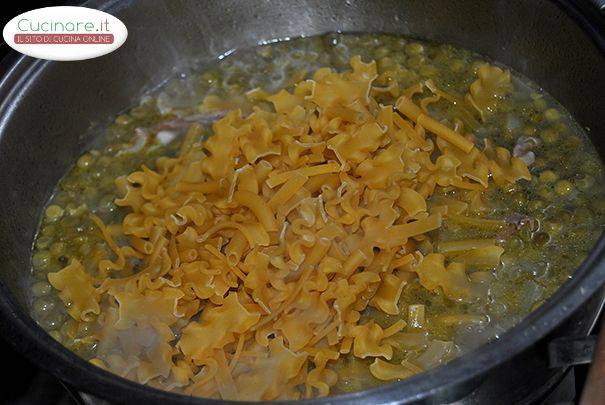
<point>545,224</point>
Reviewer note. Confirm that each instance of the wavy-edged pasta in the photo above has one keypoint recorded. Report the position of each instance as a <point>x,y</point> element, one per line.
<point>251,259</point>
<point>493,83</point>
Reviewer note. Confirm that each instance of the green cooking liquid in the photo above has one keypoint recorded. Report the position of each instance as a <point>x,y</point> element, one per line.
<point>565,199</point>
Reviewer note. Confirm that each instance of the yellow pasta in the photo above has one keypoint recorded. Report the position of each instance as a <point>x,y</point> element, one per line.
<point>481,258</point>
<point>467,244</point>
<point>279,178</point>
<point>258,206</point>
<point>445,133</point>
<point>76,287</point>
<point>386,371</point>
<point>415,113</point>
<point>476,222</point>
<point>493,83</point>
<point>387,295</point>
<point>248,180</point>
<point>411,201</point>
<point>249,260</point>
<point>234,250</point>
<point>288,190</point>
<point>408,108</point>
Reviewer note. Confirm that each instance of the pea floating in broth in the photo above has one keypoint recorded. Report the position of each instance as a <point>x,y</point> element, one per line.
<point>315,217</point>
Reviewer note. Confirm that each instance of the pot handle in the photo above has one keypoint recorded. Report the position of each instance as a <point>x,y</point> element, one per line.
<point>571,351</point>
<point>594,388</point>
<point>600,4</point>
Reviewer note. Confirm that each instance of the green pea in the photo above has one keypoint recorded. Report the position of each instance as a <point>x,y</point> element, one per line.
<point>85,161</point>
<point>42,242</point>
<point>57,248</point>
<point>573,143</point>
<point>599,206</point>
<point>123,119</point>
<point>41,259</point>
<point>564,187</point>
<point>85,328</point>
<point>69,222</point>
<point>78,211</point>
<point>210,78</point>
<point>386,63</point>
<point>548,176</point>
<point>539,103</point>
<point>552,227</point>
<point>526,233</point>
<point>400,42</point>
<point>43,306</point>
<point>563,216</point>
<point>552,115</point>
<point>90,193</point>
<point>104,161</point>
<point>139,112</point>
<point>529,130</point>
<point>519,199</point>
<point>585,182</point>
<point>53,320</point>
<point>545,192</point>
<point>80,238</point>
<point>512,243</point>
<point>456,65</point>
<point>475,65</point>
<point>536,118</point>
<point>106,204</point>
<point>536,205</point>
<point>540,163</point>
<point>53,212</point>
<point>549,136</point>
<point>414,48</point>
<point>381,52</point>
<point>416,61</point>
<point>542,270</point>
<point>561,127</point>
<point>428,70</point>
<point>68,328</point>
<point>55,335</point>
<point>41,288</point>
<point>582,214</point>
<point>591,166</point>
<point>540,239</point>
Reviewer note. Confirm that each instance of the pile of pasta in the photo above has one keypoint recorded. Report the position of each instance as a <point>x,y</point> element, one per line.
<point>252,256</point>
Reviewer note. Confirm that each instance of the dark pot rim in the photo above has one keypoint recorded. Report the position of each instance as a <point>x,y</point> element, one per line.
<point>26,336</point>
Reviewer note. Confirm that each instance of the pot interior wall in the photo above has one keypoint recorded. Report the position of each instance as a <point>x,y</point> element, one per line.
<point>50,110</point>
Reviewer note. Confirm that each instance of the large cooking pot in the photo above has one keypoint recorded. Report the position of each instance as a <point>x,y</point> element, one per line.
<point>47,106</point>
